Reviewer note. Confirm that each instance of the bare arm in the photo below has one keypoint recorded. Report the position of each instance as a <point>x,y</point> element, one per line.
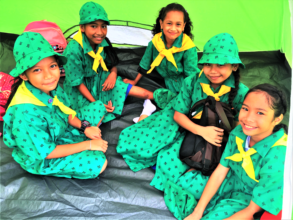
<point>75,122</point>
<point>85,92</point>
<point>246,213</point>
<point>133,82</point>
<point>210,190</point>
<point>68,149</point>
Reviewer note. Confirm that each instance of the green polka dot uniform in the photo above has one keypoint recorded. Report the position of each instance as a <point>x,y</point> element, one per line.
<point>156,139</point>
<point>34,132</point>
<point>79,70</point>
<point>237,190</point>
<point>187,65</point>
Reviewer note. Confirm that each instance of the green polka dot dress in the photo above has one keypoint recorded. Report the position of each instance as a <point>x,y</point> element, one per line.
<point>237,190</point>
<point>156,139</point>
<point>79,70</point>
<point>34,132</point>
<point>187,65</point>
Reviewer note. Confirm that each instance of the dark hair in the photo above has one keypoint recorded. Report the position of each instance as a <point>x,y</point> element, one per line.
<point>234,91</point>
<point>173,7</point>
<point>111,53</point>
<point>16,83</point>
<point>277,100</point>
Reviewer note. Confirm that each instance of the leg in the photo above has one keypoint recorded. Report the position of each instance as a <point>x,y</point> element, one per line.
<point>141,93</point>
<point>104,166</point>
<point>148,109</point>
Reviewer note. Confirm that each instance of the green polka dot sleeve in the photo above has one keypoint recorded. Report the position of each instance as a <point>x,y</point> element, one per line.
<point>269,191</point>
<point>147,59</point>
<point>182,102</point>
<point>190,62</point>
<point>74,68</point>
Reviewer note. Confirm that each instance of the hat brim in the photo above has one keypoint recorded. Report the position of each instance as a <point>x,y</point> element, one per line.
<point>92,18</point>
<point>222,59</point>
<point>32,59</point>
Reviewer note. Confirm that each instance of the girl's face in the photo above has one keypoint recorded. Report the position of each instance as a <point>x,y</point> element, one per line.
<point>44,75</point>
<point>173,25</point>
<point>217,74</point>
<point>257,117</point>
<point>95,31</point>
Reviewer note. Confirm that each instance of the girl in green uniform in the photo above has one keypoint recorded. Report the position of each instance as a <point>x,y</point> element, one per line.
<point>91,72</point>
<point>156,139</point>
<point>249,178</point>
<point>48,137</point>
<point>171,55</point>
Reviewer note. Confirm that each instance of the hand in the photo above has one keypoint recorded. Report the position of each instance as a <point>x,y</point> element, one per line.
<point>109,107</point>
<point>99,145</point>
<point>193,216</point>
<point>93,133</point>
<point>132,82</point>
<point>110,82</point>
<point>212,134</point>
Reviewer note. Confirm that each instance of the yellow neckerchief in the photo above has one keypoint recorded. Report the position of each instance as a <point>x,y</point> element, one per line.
<point>245,156</point>
<point>24,96</point>
<point>206,88</point>
<point>168,53</point>
<point>98,59</point>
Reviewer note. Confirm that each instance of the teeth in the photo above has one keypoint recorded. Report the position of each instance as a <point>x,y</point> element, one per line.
<point>248,126</point>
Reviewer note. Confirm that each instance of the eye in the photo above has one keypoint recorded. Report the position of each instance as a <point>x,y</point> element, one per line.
<point>244,108</point>
<point>207,64</point>
<point>260,113</point>
<point>219,65</point>
<point>93,26</point>
<point>104,26</point>
<point>36,70</point>
<point>54,66</point>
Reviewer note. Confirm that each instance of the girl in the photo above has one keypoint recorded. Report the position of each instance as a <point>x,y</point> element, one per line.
<point>171,55</point>
<point>46,136</point>
<point>156,139</point>
<point>249,178</point>
<point>91,72</point>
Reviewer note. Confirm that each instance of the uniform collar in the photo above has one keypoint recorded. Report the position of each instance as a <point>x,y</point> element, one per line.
<point>177,43</point>
<point>262,147</point>
<point>228,82</point>
<point>87,46</point>
<point>40,95</point>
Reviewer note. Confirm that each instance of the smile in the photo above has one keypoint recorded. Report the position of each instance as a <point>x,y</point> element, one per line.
<point>49,84</point>
<point>248,127</point>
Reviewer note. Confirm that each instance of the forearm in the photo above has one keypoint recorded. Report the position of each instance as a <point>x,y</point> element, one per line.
<point>186,123</point>
<point>211,188</point>
<point>114,70</point>
<point>75,122</point>
<point>85,92</point>
<point>68,149</point>
<point>138,77</point>
<point>246,213</point>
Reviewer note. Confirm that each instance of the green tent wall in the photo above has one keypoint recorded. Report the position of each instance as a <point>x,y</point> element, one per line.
<point>257,25</point>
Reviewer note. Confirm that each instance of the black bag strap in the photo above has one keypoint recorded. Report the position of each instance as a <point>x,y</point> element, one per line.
<point>222,116</point>
<point>195,106</point>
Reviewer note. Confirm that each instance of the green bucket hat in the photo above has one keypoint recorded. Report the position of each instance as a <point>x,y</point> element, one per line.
<point>92,11</point>
<point>221,49</point>
<point>29,49</point>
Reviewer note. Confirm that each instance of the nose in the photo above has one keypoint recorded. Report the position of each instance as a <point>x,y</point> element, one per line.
<point>99,30</point>
<point>214,68</point>
<point>47,74</point>
<point>249,117</point>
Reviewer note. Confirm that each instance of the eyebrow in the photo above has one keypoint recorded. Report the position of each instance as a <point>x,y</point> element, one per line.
<point>94,22</point>
<point>256,108</point>
<point>39,66</point>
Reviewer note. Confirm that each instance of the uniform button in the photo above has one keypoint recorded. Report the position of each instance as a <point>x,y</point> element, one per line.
<point>175,80</point>
<point>50,100</point>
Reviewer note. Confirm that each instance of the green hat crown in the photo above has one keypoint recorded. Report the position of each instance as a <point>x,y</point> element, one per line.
<point>29,49</point>
<point>92,11</point>
<point>221,49</point>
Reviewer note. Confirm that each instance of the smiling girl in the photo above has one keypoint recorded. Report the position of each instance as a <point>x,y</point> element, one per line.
<point>249,178</point>
<point>156,139</point>
<point>91,72</point>
<point>48,137</point>
<point>170,56</point>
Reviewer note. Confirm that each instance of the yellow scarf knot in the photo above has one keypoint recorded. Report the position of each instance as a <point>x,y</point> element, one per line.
<point>98,59</point>
<point>168,53</point>
<point>206,88</point>
<point>245,157</point>
<point>63,108</point>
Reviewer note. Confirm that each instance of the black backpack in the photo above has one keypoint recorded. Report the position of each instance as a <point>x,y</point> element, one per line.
<point>195,151</point>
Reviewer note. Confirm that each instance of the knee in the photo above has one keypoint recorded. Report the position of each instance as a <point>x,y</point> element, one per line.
<point>104,166</point>
<point>147,94</point>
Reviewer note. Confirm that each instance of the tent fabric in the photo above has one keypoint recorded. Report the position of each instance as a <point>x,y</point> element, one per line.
<point>119,193</point>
